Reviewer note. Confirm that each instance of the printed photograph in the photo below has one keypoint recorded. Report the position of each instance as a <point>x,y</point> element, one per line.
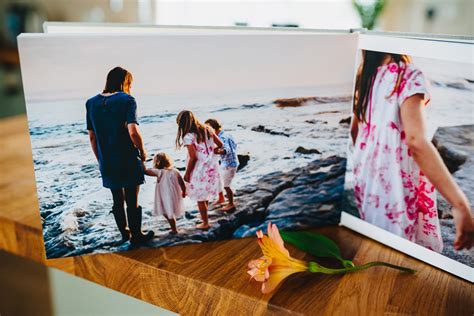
<point>124,162</point>
<point>410,161</point>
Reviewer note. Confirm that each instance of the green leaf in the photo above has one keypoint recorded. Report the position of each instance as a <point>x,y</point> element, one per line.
<point>315,244</point>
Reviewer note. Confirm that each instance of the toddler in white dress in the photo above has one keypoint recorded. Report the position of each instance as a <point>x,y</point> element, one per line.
<point>169,190</point>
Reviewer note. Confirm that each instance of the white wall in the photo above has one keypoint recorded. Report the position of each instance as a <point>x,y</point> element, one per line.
<point>328,14</point>
<point>450,17</point>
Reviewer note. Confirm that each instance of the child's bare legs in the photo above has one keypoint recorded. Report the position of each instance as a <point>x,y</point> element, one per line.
<point>230,197</point>
<point>203,206</point>
<point>172,222</point>
<point>221,198</point>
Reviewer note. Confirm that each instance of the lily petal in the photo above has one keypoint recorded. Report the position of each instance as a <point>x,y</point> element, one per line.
<point>276,263</point>
<point>274,235</point>
<point>276,277</point>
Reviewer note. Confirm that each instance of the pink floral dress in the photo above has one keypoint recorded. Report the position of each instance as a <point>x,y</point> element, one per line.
<point>390,189</point>
<point>205,182</point>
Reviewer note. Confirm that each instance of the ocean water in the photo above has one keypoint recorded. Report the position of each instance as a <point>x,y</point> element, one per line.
<point>75,207</point>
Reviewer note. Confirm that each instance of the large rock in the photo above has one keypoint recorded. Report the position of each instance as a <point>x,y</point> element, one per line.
<point>297,199</point>
<point>306,151</point>
<point>263,129</point>
<point>346,120</point>
<point>305,197</point>
<point>243,160</point>
<point>296,102</point>
<point>456,146</point>
<point>448,231</point>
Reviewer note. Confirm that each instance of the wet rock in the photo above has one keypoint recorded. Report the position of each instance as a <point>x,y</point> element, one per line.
<point>456,146</point>
<point>293,102</point>
<point>260,198</point>
<point>348,204</point>
<point>223,109</point>
<point>297,199</point>
<point>458,85</point>
<point>315,121</point>
<point>452,158</point>
<point>189,215</point>
<point>305,197</point>
<point>304,151</point>
<point>275,182</point>
<point>243,231</point>
<point>328,112</point>
<point>462,84</point>
<point>243,160</point>
<point>346,120</point>
<point>246,190</point>
<point>263,129</point>
<point>448,231</point>
<point>253,106</point>
<point>296,102</point>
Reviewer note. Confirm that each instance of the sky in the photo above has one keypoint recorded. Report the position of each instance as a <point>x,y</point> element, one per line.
<point>73,66</point>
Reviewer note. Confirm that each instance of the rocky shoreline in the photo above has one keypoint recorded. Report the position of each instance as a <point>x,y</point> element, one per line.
<point>291,172</point>
<point>456,146</point>
<point>301,198</point>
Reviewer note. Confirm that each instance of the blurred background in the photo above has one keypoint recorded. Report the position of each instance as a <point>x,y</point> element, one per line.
<point>54,290</point>
<point>417,16</point>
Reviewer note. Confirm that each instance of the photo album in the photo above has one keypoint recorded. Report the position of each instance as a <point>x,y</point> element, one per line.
<point>162,136</point>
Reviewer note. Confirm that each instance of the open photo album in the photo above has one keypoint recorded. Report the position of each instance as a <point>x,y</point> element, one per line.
<point>162,136</point>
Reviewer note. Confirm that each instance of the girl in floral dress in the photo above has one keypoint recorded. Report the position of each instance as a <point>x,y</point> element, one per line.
<point>396,168</point>
<point>202,169</point>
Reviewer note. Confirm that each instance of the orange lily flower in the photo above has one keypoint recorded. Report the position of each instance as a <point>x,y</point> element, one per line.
<point>276,264</point>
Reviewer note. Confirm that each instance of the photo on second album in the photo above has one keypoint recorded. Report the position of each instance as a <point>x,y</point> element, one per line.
<point>411,155</point>
<point>164,140</point>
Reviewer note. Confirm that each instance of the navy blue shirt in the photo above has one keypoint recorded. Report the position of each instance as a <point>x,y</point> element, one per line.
<point>108,117</point>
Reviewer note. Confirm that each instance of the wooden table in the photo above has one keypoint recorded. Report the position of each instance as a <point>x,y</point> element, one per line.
<point>211,278</point>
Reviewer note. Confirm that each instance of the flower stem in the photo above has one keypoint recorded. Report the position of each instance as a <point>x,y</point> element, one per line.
<point>314,267</point>
<point>347,263</point>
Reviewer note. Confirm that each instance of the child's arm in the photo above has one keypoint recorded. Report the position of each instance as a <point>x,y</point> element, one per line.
<point>148,172</point>
<point>221,150</point>
<point>430,162</point>
<point>181,184</point>
<point>354,128</point>
<point>191,162</point>
<point>217,140</point>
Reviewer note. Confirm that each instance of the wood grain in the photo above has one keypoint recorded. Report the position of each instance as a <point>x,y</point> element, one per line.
<point>210,278</point>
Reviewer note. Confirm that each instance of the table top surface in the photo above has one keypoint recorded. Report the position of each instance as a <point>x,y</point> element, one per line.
<point>211,278</point>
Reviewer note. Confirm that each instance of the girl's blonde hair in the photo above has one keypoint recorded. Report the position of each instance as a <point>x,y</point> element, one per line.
<point>188,123</point>
<point>162,161</point>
